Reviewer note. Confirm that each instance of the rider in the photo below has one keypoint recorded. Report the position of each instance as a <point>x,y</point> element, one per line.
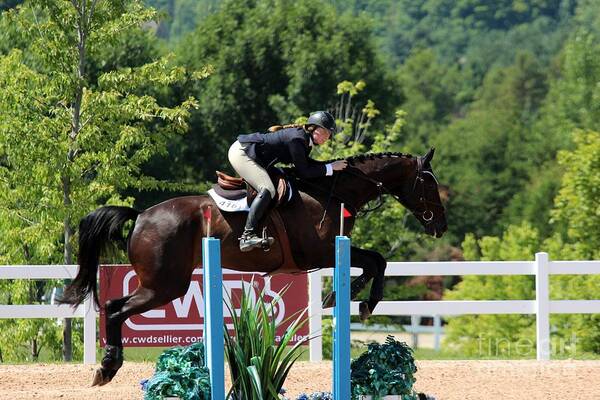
<point>251,155</point>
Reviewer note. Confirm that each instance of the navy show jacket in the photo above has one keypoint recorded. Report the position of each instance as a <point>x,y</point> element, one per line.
<point>288,146</point>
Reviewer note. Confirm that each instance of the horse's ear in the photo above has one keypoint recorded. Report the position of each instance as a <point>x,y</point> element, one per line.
<point>427,157</point>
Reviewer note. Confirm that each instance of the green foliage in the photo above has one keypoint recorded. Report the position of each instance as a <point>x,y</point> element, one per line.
<point>570,104</point>
<point>257,364</point>
<point>433,93</point>
<point>384,369</point>
<point>71,139</point>
<point>490,336</point>
<point>485,157</point>
<point>273,61</point>
<point>578,202</point>
<point>577,210</point>
<point>180,372</point>
<point>494,335</point>
<point>499,88</point>
<point>182,16</point>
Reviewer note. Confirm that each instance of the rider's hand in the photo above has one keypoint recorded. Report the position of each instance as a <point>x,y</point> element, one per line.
<point>339,165</point>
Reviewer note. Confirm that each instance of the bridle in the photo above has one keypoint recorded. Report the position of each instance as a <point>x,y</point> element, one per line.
<point>427,215</point>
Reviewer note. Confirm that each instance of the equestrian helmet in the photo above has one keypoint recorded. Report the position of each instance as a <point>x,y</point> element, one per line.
<point>323,119</point>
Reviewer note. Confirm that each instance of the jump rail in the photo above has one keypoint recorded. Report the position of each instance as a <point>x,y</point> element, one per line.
<point>542,306</point>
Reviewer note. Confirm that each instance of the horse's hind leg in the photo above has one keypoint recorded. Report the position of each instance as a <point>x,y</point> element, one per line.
<point>117,311</point>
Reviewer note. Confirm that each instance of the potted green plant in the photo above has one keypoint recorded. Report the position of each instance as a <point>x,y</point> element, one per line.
<point>257,364</point>
<point>384,372</point>
<point>180,374</point>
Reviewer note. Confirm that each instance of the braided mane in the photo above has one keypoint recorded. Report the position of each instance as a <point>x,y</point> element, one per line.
<point>371,156</point>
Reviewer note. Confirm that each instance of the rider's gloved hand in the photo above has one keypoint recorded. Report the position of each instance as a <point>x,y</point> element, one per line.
<point>339,165</point>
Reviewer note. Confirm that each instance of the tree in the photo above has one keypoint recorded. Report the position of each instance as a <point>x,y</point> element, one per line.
<point>495,335</point>
<point>273,61</point>
<point>68,144</point>
<point>575,209</point>
<point>578,201</point>
<point>571,104</point>
<point>485,156</point>
<point>433,94</point>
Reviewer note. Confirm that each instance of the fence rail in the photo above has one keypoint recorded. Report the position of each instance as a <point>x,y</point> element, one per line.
<point>87,310</point>
<point>542,306</point>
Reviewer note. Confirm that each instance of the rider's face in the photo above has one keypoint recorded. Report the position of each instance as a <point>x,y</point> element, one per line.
<point>321,135</point>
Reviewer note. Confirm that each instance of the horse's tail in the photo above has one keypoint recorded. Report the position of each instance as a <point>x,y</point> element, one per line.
<point>97,230</point>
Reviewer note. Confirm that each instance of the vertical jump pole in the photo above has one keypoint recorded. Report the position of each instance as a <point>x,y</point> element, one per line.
<point>341,320</point>
<point>213,316</point>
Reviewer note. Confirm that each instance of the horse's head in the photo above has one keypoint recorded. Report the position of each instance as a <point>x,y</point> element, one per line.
<point>421,196</point>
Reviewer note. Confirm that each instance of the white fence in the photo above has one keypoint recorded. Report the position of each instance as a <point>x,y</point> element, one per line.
<point>542,306</point>
<point>87,311</point>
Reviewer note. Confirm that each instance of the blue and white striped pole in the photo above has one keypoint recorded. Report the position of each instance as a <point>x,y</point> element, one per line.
<point>213,316</point>
<point>341,320</point>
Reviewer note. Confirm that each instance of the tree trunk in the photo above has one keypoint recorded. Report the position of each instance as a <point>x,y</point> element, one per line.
<point>68,254</point>
<point>84,17</point>
<point>34,350</point>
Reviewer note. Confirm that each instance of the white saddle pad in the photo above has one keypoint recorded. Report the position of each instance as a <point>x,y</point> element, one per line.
<point>229,205</point>
<point>237,205</point>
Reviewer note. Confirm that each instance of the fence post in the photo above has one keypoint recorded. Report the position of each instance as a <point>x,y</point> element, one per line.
<point>213,316</point>
<point>341,320</point>
<point>89,331</point>
<point>315,316</point>
<point>415,323</point>
<point>437,326</point>
<point>542,306</point>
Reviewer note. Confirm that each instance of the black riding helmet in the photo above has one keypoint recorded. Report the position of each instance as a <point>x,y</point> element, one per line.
<point>322,119</point>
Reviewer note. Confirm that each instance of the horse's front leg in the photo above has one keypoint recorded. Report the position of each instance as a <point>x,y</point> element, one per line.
<point>373,265</point>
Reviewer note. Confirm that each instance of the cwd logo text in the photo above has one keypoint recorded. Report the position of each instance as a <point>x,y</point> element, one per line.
<point>181,322</point>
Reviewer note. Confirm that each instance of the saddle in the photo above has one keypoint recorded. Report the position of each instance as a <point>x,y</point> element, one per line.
<point>235,188</point>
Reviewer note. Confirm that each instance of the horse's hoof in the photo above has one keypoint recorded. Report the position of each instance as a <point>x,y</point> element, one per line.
<point>101,377</point>
<point>329,300</point>
<point>363,310</point>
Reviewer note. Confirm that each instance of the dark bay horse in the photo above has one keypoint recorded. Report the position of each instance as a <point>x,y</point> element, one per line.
<point>164,244</point>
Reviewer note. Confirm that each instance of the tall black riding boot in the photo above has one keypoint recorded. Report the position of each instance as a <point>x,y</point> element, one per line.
<point>250,239</point>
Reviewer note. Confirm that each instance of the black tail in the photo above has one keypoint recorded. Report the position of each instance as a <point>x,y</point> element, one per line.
<point>96,232</point>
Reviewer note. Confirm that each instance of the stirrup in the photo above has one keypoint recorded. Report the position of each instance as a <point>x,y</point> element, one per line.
<point>267,241</point>
<point>250,241</point>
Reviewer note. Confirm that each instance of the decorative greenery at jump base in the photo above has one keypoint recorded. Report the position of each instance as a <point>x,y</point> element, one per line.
<point>259,367</point>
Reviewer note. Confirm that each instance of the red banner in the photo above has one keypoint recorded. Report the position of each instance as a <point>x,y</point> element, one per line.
<point>181,322</point>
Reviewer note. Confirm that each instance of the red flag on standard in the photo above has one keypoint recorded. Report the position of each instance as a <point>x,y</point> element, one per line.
<point>346,213</point>
<point>207,213</point>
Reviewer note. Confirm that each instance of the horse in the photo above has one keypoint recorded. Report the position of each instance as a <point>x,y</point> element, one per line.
<point>164,244</point>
